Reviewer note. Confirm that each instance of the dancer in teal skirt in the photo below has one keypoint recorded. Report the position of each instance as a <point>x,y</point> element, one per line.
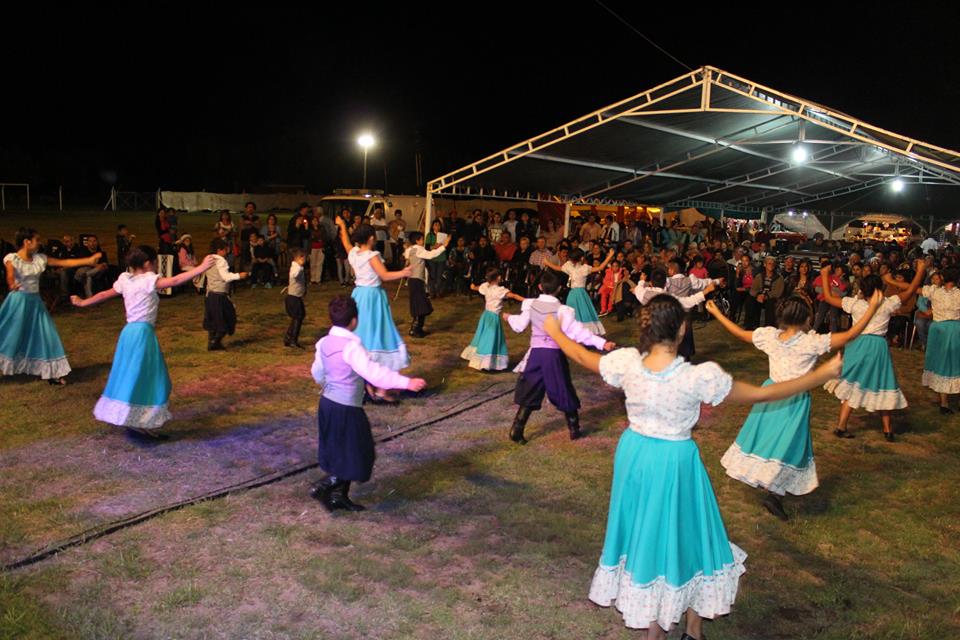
<point>138,388</point>
<point>29,342</point>
<point>488,349</point>
<point>577,297</point>
<point>868,379</point>
<point>941,364</point>
<point>378,333</point>
<point>774,450</point>
<point>666,550</point>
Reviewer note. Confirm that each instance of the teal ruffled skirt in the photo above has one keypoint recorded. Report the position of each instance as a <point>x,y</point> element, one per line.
<point>774,449</point>
<point>868,379</point>
<point>585,313</point>
<point>666,548</point>
<point>941,364</point>
<point>488,349</point>
<point>138,388</point>
<point>376,328</point>
<point>29,342</point>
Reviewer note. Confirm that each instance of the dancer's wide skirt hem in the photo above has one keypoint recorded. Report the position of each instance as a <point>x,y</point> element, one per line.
<point>124,414</point>
<point>773,475</point>
<point>29,342</point>
<point>585,313</point>
<point>941,364</point>
<point>658,601</point>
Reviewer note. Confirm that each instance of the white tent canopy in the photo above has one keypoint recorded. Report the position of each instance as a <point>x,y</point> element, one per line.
<point>711,139</point>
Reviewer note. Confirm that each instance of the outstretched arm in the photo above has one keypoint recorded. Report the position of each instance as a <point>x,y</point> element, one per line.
<point>606,261</point>
<point>837,340</point>
<point>915,283</point>
<point>74,262</point>
<point>104,295</point>
<point>513,296</point>
<point>744,393</point>
<point>186,276</point>
<point>728,324</point>
<point>385,275</point>
<point>550,264</point>
<point>344,236</point>
<point>828,295</point>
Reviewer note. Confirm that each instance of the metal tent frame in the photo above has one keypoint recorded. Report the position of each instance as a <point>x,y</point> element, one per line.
<point>712,139</point>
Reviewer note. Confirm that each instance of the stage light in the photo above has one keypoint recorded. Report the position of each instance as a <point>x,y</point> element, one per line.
<point>799,154</point>
<point>365,140</point>
<point>897,185</point>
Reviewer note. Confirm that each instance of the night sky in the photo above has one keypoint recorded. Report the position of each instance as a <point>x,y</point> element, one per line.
<point>227,98</point>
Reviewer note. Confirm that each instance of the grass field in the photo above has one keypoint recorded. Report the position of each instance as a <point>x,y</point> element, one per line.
<point>467,535</point>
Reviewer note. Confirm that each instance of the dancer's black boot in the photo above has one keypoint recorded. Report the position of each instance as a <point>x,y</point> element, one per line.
<point>519,422</point>
<point>292,338</point>
<point>340,496</point>
<point>322,492</point>
<point>573,424</point>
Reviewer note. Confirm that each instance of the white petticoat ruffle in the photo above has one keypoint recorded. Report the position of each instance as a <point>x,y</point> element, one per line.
<point>488,362</point>
<point>773,475</point>
<point>641,604</point>
<point>858,397</point>
<point>393,360</point>
<point>940,384</point>
<point>46,369</point>
<point>124,414</point>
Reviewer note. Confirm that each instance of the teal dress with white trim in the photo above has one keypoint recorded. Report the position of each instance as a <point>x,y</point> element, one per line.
<point>375,326</point>
<point>774,449</point>
<point>578,299</point>
<point>941,363</point>
<point>666,548</point>
<point>29,342</point>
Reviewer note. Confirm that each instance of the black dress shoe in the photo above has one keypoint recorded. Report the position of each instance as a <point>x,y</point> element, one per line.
<point>946,410</point>
<point>842,433</point>
<point>321,492</point>
<point>888,436</point>
<point>772,503</point>
<point>687,636</point>
<point>519,422</point>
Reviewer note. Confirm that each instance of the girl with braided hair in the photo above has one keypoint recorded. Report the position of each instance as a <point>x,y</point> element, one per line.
<point>774,450</point>
<point>666,550</point>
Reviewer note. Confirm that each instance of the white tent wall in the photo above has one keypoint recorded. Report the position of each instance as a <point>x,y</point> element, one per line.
<point>206,201</point>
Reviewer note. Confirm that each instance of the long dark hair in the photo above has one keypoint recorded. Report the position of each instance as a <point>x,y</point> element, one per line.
<point>24,234</point>
<point>660,321</point>
<point>796,310</point>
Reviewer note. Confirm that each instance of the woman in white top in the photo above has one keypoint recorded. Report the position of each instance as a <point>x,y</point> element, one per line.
<point>487,350</point>
<point>29,342</point>
<point>941,364</point>
<point>577,297</point>
<point>378,333</point>
<point>774,449</point>
<point>379,224</point>
<point>868,379</point>
<point>666,550</point>
<point>138,388</point>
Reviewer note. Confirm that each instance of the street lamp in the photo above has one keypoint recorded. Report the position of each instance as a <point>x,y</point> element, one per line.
<point>366,141</point>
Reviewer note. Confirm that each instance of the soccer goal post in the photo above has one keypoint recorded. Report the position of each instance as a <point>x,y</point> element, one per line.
<point>14,194</point>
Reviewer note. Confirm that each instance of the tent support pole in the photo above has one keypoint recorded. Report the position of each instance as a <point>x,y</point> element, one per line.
<point>566,219</point>
<point>428,212</point>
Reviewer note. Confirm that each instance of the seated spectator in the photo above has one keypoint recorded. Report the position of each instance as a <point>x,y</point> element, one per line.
<point>97,274</point>
<point>261,262</point>
<point>505,247</point>
<point>765,292</point>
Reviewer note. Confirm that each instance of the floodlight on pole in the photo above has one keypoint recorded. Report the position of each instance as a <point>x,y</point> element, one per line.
<point>366,141</point>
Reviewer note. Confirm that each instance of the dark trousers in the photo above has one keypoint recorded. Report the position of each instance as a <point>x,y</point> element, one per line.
<point>547,373</point>
<point>297,312</point>
<point>261,272</point>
